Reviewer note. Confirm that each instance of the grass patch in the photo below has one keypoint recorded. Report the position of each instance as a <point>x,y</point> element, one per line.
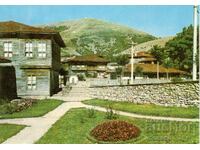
<point>38,109</point>
<point>9,130</point>
<point>75,126</point>
<point>147,109</point>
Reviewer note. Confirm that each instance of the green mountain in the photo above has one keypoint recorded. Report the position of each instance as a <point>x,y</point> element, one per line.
<point>87,36</point>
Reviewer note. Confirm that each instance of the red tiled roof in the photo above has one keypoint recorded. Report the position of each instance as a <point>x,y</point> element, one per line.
<point>148,59</point>
<point>143,54</point>
<point>15,29</point>
<point>152,68</point>
<point>11,26</point>
<point>87,59</point>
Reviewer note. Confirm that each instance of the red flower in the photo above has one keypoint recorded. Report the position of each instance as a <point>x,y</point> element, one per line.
<point>115,131</point>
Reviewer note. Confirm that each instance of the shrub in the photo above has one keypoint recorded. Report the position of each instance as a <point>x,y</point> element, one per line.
<point>110,114</point>
<point>176,79</point>
<point>138,71</point>
<point>95,75</point>
<point>113,75</point>
<point>88,75</point>
<point>81,77</point>
<point>17,106</point>
<point>91,113</point>
<point>113,131</point>
<point>10,108</point>
<point>91,75</point>
<point>4,101</point>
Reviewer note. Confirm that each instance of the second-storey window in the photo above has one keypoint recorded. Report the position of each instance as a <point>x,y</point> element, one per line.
<point>29,49</point>
<point>8,49</point>
<point>42,50</point>
<point>31,82</point>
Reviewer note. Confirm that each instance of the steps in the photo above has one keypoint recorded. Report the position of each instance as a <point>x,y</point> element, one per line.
<point>77,93</point>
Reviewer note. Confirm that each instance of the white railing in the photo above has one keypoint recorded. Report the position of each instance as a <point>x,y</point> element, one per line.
<point>109,82</point>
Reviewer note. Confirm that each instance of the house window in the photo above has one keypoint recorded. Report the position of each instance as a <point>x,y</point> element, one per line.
<point>29,49</point>
<point>8,49</point>
<point>42,50</point>
<point>31,82</point>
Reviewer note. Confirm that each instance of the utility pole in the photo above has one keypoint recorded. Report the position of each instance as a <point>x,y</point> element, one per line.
<point>132,63</point>
<point>199,47</point>
<point>194,67</point>
<point>198,14</point>
<point>132,58</point>
<point>199,50</point>
<point>158,70</point>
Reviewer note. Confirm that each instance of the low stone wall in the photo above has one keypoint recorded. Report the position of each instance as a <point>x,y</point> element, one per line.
<point>167,94</point>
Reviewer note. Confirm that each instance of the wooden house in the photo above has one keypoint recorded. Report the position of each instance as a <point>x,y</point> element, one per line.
<point>92,65</point>
<point>149,68</point>
<point>35,55</point>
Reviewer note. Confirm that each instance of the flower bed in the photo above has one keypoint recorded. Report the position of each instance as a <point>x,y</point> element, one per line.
<point>112,131</point>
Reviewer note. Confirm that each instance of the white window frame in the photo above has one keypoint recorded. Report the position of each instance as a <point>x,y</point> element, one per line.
<point>42,50</point>
<point>101,67</point>
<point>8,49</point>
<point>31,82</point>
<point>29,49</point>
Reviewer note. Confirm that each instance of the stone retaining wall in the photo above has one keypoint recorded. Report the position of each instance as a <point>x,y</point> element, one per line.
<point>167,94</point>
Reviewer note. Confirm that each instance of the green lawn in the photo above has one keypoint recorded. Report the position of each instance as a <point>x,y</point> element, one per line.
<point>8,130</point>
<point>147,109</point>
<point>38,109</point>
<point>75,126</point>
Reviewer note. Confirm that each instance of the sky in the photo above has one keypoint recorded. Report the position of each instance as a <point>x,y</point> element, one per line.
<point>159,21</point>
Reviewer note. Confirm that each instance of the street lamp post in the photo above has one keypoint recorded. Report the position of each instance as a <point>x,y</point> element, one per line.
<point>158,70</point>
<point>132,59</point>
<point>199,48</point>
<point>198,14</point>
<point>194,67</point>
<point>132,63</point>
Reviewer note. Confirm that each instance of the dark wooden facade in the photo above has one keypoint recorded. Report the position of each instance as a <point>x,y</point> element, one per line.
<point>7,79</point>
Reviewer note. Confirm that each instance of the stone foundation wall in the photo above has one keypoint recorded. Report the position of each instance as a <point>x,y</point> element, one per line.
<point>167,94</point>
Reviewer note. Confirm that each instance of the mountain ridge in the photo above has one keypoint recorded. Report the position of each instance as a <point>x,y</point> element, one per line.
<point>93,19</point>
<point>89,35</point>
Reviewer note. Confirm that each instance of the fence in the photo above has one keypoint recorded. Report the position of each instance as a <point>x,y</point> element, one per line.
<point>108,82</point>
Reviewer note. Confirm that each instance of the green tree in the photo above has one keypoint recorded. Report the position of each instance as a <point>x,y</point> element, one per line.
<point>167,63</point>
<point>138,71</point>
<point>118,71</point>
<point>122,60</point>
<point>159,53</point>
<point>179,50</point>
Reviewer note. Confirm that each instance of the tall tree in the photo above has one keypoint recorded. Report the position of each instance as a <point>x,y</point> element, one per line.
<point>179,50</point>
<point>121,60</point>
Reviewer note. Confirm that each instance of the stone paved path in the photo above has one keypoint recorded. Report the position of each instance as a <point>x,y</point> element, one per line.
<point>37,127</point>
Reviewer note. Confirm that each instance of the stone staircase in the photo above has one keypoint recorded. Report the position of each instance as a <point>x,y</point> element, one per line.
<point>76,93</point>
